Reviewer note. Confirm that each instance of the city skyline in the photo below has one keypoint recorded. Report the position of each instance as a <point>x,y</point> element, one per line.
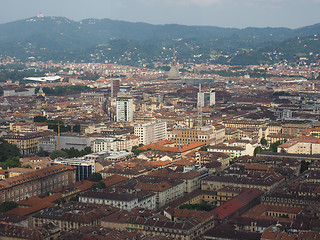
<point>229,13</point>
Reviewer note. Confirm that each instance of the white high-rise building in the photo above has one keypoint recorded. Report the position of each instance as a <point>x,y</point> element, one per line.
<point>151,132</point>
<point>206,98</point>
<point>124,109</point>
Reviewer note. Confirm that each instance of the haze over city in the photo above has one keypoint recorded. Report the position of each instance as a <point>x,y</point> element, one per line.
<point>222,13</point>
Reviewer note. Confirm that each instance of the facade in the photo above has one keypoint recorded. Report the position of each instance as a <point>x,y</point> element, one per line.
<point>115,144</point>
<point>151,132</point>
<point>124,109</point>
<point>182,136</point>
<point>47,144</point>
<point>238,124</point>
<point>85,167</point>
<point>232,151</point>
<point>303,145</point>
<point>191,179</point>
<point>36,183</point>
<point>267,182</point>
<point>24,92</point>
<point>103,144</point>
<point>72,141</point>
<point>27,142</point>
<point>115,87</point>
<point>28,127</point>
<point>120,199</point>
<point>206,99</point>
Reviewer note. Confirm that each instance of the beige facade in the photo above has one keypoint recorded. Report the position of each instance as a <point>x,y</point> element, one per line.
<point>28,127</point>
<point>305,145</point>
<point>182,136</point>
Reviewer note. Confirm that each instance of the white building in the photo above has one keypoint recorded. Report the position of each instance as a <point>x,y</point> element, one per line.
<point>102,144</point>
<point>151,132</point>
<point>115,144</point>
<point>124,109</point>
<point>206,98</point>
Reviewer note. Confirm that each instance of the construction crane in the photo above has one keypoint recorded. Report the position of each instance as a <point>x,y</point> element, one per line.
<point>200,107</point>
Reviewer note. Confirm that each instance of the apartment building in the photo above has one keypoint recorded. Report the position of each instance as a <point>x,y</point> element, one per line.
<point>151,132</point>
<point>124,109</point>
<point>36,183</point>
<point>182,136</point>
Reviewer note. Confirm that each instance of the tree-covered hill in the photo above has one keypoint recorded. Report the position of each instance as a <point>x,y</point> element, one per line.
<point>100,40</point>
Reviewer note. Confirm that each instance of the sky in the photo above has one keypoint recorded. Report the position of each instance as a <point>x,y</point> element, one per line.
<point>221,13</point>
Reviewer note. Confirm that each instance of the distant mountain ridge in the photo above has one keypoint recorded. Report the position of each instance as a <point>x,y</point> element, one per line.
<point>59,38</point>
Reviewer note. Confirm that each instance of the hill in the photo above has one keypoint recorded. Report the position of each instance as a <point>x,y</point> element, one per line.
<point>100,40</point>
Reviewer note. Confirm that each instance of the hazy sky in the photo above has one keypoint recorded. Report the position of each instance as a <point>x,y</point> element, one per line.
<point>223,13</point>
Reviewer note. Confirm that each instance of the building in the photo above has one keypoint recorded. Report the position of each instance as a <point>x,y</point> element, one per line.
<point>36,183</point>
<point>232,151</point>
<point>18,92</point>
<point>85,167</point>
<point>120,199</point>
<point>174,224</point>
<point>72,215</point>
<point>166,190</point>
<point>27,142</point>
<point>115,87</point>
<point>302,145</point>
<point>151,132</point>
<point>265,182</point>
<point>191,178</point>
<point>103,144</point>
<point>36,162</point>
<point>47,231</point>
<point>182,136</point>
<point>70,140</point>
<point>28,127</point>
<point>124,109</point>
<point>206,99</point>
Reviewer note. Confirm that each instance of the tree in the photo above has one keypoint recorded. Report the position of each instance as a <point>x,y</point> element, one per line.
<point>257,150</point>
<point>60,201</point>
<point>85,151</point>
<point>8,151</point>
<point>6,206</point>
<point>58,153</point>
<point>11,163</point>
<point>304,166</point>
<point>274,146</point>
<point>42,153</point>
<point>39,119</point>
<point>72,152</point>
<point>199,207</point>
<point>204,148</point>
<point>99,185</point>
<point>74,198</point>
<point>76,128</point>
<point>264,142</point>
<point>95,177</point>
<point>27,166</point>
